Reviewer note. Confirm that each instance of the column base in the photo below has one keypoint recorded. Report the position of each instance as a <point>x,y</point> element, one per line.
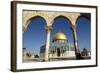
<point>78,56</point>
<point>45,60</point>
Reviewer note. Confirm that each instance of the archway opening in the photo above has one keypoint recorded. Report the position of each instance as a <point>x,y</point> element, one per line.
<point>62,24</point>
<point>84,33</point>
<point>61,27</point>
<point>34,36</point>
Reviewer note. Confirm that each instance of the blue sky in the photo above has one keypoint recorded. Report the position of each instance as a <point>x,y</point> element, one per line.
<point>35,36</point>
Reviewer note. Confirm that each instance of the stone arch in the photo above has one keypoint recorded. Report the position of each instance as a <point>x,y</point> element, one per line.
<point>66,18</point>
<point>62,16</point>
<point>32,18</point>
<point>66,30</point>
<point>83,26</point>
<point>29,15</point>
<point>85,15</point>
<point>71,17</point>
<point>34,31</point>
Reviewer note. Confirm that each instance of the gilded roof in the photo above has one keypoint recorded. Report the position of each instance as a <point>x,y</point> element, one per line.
<point>59,36</point>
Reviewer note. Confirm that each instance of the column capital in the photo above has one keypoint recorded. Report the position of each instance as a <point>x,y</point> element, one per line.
<point>48,28</point>
<point>73,27</point>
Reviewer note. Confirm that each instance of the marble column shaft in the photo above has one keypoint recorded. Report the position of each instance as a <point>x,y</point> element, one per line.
<point>48,30</point>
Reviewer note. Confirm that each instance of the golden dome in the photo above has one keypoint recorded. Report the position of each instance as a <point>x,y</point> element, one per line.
<point>59,36</point>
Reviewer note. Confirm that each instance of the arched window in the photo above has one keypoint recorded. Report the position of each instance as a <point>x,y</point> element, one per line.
<point>34,36</point>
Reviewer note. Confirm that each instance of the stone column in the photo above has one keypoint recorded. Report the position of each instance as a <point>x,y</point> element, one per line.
<point>75,37</point>
<point>77,52</point>
<point>48,30</point>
